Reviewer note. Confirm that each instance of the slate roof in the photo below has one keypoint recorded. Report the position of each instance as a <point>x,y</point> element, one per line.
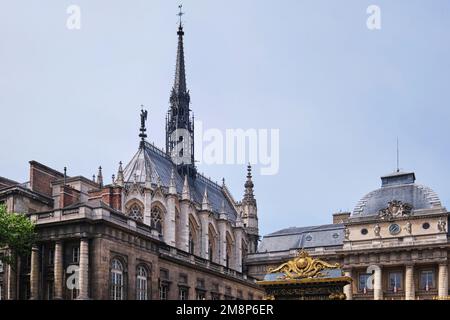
<point>155,162</point>
<point>329,235</point>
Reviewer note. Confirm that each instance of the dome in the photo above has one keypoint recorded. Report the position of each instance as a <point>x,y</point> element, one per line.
<point>399,186</point>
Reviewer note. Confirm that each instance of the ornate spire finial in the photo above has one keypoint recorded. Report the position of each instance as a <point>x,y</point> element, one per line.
<point>180,14</point>
<point>113,178</point>
<point>172,186</point>
<point>120,178</point>
<point>249,198</point>
<point>205,202</point>
<point>65,175</point>
<point>100,177</point>
<point>186,193</point>
<point>143,129</point>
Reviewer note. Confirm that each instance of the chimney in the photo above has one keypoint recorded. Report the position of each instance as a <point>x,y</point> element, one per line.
<point>340,217</point>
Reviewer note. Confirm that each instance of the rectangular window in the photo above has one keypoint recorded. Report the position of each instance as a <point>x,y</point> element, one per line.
<point>395,281</point>
<point>1,291</point>
<point>183,293</point>
<point>215,296</point>
<point>427,280</point>
<point>200,283</point>
<point>363,282</point>
<point>75,254</point>
<point>163,289</point>
<point>1,266</point>
<point>201,295</point>
<point>240,296</point>
<point>250,296</point>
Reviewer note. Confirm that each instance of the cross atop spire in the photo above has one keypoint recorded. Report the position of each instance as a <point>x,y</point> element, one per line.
<point>180,14</point>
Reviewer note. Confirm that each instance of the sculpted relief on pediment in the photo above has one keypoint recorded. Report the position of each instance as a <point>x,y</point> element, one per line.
<point>395,209</point>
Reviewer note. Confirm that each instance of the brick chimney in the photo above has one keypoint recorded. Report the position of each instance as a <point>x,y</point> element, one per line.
<point>68,196</point>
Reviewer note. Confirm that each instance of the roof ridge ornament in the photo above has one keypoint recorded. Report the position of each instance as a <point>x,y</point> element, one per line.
<point>143,129</point>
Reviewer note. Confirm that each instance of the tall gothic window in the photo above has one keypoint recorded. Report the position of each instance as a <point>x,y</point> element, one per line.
<point>191,242</point>
<point>135,212</point>
<point>157,220</point>
<point>210,249</point>
<point>141,283</point>
<point>117,280</point>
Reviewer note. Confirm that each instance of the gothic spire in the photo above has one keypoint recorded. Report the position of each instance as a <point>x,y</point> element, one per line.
<point>180,73</point>
<point>249,197</point>
<point>179,124</point>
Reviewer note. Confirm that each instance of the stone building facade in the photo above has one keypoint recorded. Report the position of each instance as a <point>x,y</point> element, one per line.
<point>394,245</point>
<point>159,230</point>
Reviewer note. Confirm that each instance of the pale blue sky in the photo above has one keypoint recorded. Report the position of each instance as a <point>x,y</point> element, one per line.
<point>339,93</point>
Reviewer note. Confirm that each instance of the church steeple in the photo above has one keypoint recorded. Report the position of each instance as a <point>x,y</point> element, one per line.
<point>179,126</point>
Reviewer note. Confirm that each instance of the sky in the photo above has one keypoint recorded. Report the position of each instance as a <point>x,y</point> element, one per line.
<point>339,93</point>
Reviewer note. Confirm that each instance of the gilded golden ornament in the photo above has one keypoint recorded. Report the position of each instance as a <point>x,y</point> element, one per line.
<point>303,266</point>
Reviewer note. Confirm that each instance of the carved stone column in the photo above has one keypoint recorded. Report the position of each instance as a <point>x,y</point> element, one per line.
<point>11,291</point>
<point>348,289</point>
<point>443,280</point>
<point>58,272</point>
<point>410,290</point>
<point>84,270</point>
<point>34,274</point>
<point>378,284</point>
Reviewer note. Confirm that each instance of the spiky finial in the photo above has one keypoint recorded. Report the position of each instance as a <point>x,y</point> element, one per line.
<point>172,186</point>
<point>100,177</point>
<point>249,197</point>
<point>120,178</point>
<point>205,202</point>
<point>186,193</point>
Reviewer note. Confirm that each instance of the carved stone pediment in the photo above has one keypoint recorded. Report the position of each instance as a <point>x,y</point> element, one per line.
<point>395,209</point>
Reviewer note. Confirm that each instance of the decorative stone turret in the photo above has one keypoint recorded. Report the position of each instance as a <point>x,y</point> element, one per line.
<point>100,177</point>
<point>249,212</point>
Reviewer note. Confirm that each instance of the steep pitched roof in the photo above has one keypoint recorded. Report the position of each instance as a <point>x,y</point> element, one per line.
<point>153,162</point>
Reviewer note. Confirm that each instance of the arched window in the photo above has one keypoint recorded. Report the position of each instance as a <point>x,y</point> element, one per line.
<point>141,283</point>
<point>117,280</point>
<point>157,220</point>
<point>210,249</point>
<point>135,211</point>
<point>191,242</point>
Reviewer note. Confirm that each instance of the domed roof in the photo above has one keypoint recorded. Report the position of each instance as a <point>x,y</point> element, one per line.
<point>398,186</point>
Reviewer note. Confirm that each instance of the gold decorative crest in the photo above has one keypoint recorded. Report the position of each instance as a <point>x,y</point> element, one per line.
<point>303,266</point>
